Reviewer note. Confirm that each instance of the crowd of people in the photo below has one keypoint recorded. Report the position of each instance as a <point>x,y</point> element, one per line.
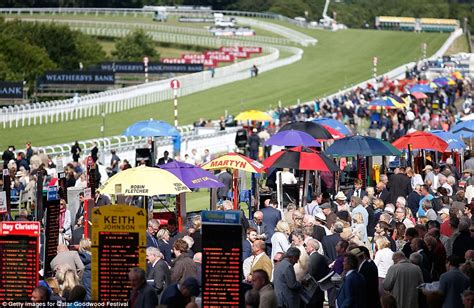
<point>406,241</point>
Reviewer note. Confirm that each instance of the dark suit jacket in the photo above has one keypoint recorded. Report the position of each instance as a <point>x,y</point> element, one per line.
<point>329,245</point>
<point>370,273</point>
<point>226,179</point>
<point>165,249</point>
<point>160,274</point>
<point>246,249</point>
<point>151,241</point>
<point>146,297</point>
<point>400,185</point>
<point>161,161</point>
<point>271,216</point>
<point>385,196</point>
<point>318,266</point>
<point>350,193</point>
<point>263,228</point>
<point>413,202</point>
<point>352,293</point>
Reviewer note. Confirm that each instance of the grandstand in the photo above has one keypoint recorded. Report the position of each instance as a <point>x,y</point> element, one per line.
<point>416,24</point>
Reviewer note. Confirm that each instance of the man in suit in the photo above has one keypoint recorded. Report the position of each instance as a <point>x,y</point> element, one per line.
<point>225,177</point>
<point>357,191</point>
<point>258,224</point>
<point>260,260</point>
<point>369,271</point>
<point>382,192</point>
<point>330,241</point>
<point>318,268</point>
<point>287,288</point>
<point>158,271</point>
<point>261,282</point>
<point>271,216</point>
<point>165,159</point>
<point>142,295</point>
<point>330,215</point>
<point>153,228</point>
<point>68,258</point>
<point>400,185</point>
<point>413,199</point>
<point>248,242</point>
<point>352,292</point>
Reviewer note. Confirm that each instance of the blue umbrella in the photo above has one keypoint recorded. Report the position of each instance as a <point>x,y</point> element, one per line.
<point>191,175</point>
<point>293,138</point>
<point>151,128</point>
<point>362,146</point>
<point>422,88</point>
<point>463,129</point>
<point>339,126</point>
<point>383,103</point>
<point>453,142</point>
<point>441,81</point>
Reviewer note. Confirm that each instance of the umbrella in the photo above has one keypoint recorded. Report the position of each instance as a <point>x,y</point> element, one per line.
<point>463,128</point>
<point>301,158</point>
<point>382,103</point>
<point>191,175</point>
<point>397,101</point>
<point>422,88</point>
<point>453,142</point>
<point>422,141</point>
<point>457,75</point>
<point>253,115</point>
<point>151,128</point>
<point>419,95</point>
<point>144,181</point>
<point>311,128</point>
<point>444,81</point>
<point>334,132</point>
<point>362,146</point>
<point>335,124</point>
<point>234,161</point>
<point>292,138</point>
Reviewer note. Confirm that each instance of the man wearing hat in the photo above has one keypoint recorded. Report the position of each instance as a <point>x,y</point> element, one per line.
<point>445,228</point>
<point>341,202</point>
<point>369,271</point>
<point>319,229</point>
<point>330,216</point>
<point>465,179</point>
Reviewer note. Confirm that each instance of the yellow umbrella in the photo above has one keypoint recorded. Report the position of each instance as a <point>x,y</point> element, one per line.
<point>235,162</point>
<point>253,115</point>
<point>458,75</point>
<point>144,181</point>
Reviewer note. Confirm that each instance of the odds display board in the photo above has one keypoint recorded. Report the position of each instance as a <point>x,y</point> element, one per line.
<point>118,244</point>
<point>222,251</point>
<point>51,230</point>
<point>19,260</point>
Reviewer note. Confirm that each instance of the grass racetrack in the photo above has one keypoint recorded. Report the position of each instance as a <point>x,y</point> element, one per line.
<point>340,59</point>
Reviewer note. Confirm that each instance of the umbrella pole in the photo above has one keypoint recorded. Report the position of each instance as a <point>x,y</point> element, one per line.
<point>235,177</point>
<point>181,210</point>
<point>213,199</point>
<point>305,188</point>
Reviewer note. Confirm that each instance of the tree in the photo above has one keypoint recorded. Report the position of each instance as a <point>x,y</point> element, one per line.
<point>135,46</point>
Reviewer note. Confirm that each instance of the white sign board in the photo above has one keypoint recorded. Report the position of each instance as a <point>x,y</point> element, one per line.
<point>3,202</point>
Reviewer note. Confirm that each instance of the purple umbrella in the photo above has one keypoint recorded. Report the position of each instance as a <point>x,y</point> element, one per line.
<point>193,176</point>
<point>293,138</point>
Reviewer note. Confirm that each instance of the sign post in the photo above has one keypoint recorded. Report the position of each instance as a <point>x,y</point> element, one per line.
<point>19,259</point>
<point>221,259</point>
<point>375,61</point>
<point>175,85</point>
<point>145,65</point>
<point>118,245</point>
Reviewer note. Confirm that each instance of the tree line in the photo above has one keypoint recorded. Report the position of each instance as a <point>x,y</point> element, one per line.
<point>353,13</point>
<point>27,49</point>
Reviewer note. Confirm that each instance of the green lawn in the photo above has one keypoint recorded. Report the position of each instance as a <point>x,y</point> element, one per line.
<point>339,60</point>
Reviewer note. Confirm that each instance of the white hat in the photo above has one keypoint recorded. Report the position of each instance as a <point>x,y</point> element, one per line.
<point>428,167</point>
<point>340,196</point>
<point>443,211</point>
<point>389,210</point>
<point>320,216</point>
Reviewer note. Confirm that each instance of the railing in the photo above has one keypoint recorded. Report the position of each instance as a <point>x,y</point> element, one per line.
<point>131,97</point>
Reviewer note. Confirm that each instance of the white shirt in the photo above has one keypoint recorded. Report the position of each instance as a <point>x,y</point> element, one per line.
<point>383,260</point>
<point>286,178</point>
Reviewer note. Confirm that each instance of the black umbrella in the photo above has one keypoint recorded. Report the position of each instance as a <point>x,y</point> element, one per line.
<point>317,131</point>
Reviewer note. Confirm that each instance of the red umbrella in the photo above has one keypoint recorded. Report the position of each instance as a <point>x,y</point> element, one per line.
<point>421,141</point>
<point>419,95</point>
<point>301,158</point>
<point>334,132</point>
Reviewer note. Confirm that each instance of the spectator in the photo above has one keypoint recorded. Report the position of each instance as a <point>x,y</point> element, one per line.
<point>352,292</point>
<point>158,271</point>
<point>261,283</point>
<point>142,295</point>
<point>181,295</point>
<point>183,266</point>
<point>286,286</point>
